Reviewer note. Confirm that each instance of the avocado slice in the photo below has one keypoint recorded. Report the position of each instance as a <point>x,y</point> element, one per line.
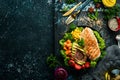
<point>78,54</point>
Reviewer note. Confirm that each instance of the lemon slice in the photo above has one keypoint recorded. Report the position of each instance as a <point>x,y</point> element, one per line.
<point>109,3</point>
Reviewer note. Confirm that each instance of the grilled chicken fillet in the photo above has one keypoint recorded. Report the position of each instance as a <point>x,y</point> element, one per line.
<point>91,44</point>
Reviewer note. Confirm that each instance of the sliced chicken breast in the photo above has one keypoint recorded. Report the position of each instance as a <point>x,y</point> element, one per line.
<point>91,45</point>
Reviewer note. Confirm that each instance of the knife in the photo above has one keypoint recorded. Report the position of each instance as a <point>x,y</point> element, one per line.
<point>72,9</point>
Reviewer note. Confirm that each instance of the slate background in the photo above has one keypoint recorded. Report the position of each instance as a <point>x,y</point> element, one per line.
<point>26,39</point>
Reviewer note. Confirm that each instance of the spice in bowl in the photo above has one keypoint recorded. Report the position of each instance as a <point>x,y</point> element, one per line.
<point>114,24</point>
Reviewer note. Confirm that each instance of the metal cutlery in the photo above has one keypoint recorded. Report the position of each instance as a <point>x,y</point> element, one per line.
<point>72,17</point>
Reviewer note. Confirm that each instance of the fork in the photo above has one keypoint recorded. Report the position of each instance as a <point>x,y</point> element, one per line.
<point>72,17</point>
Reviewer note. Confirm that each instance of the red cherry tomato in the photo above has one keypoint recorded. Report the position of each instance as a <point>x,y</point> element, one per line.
<point>77,67</point>
<point>87,64</point>
<point>71,63</point>
<point>83,66</point>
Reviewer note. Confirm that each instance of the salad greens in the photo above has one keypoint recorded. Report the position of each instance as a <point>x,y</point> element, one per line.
<point>68,36</point>
<point>66,59</point>
<point>101,41</point>
<point>63,53</point>
<point>81,28</point>
<point>81,42</point>
<point>61,42</point>
<point>103,54</point>
<point>93,63</point>
<point>72,27</point>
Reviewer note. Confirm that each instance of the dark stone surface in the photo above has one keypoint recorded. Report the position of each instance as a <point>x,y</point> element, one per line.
<point>26,39</point>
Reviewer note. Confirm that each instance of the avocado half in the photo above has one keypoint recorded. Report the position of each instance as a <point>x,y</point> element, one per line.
<point>78,54</point>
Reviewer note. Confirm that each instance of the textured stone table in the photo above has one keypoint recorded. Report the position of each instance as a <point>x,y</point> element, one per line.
<point>26,39</point>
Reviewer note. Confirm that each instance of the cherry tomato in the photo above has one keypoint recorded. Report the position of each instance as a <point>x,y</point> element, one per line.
<point>83,66</point>
<point>87,64</point>
<point>71,63</point>
<point>77,67</point>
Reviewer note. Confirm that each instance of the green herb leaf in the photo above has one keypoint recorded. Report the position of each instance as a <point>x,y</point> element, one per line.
<point>112,12</point>
<point>81,42</point>
<point>70,1</point>
<point>61,42</point>
<point>96,13</point>
<point>68,36</point>
<point>81,28</point>
<point>93,63</point>
<point>52,61</point>
<point>63,53</point>
<point>97,1</point>
<point>65,57</point>
<point>103,53</point>
<point>72,26</point>
<point>66,61</point>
